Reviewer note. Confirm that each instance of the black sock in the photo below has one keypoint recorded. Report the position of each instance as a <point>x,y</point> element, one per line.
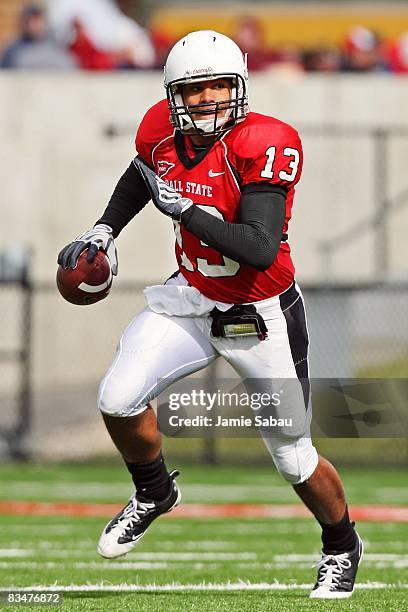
<point>340,537</point>
<point>151,479</point>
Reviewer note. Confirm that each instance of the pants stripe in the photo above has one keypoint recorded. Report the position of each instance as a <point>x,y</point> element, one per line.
<point>294,312</point>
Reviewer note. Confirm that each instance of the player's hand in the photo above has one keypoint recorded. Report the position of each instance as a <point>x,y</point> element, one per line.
<point>99,237</point>
<point>164,197</point>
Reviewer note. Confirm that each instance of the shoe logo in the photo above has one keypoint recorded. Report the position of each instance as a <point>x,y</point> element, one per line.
<point>213,174</point>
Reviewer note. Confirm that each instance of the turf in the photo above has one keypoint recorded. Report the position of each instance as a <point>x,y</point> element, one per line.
<point>61,550</point>
<point>109,482</point>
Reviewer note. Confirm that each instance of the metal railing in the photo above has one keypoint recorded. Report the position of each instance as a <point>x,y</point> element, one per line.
<point>14,272</point>
<point>385,205</point>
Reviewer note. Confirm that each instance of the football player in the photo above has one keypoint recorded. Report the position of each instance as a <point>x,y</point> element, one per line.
<point>226,176</point>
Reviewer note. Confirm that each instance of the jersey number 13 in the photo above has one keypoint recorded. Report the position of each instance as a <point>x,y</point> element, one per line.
<point>293,164</point>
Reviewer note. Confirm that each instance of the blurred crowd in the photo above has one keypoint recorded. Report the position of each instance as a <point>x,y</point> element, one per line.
<point>88,35</point>
<point>95,35</point>
<point>362,50</point>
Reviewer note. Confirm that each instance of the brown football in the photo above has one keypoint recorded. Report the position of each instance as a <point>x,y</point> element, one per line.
<point>88,282</point>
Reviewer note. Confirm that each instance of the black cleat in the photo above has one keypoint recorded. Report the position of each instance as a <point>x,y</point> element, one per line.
<point>125,530</point>
<point>337,573</point>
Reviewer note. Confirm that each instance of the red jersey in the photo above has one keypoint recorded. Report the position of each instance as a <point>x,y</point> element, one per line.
<point>259,149</point>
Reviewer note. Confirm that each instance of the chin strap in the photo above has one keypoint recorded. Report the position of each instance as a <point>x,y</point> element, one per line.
<point>205,125</point>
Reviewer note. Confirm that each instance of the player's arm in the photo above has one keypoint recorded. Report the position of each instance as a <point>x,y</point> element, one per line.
<point>270,165</point>
<point>255,240</point>
<point>129,197</point>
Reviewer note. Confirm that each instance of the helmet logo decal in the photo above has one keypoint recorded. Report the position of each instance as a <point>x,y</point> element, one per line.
<point>198,71</point>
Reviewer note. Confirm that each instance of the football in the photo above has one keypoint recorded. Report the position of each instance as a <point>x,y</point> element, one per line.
<point>88,282</point>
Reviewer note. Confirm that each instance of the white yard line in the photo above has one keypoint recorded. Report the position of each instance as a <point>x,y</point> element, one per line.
<point>289,559</point>
<point>119,492</point>
<point>397,494</point>
<point>16,552</point>
<point>38,529</point>
<point>90,545</point>
<point>294,558</point>
<point>142,565</point>
<point>153,556</point>
<point>104,565</point>
<point>229,586</point>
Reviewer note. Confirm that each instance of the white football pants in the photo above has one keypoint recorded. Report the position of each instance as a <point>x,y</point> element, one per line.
<point>157,348</point>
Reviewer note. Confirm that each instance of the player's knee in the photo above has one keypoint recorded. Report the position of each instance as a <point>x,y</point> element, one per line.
<point>114,399</point>
<point>296,462</point>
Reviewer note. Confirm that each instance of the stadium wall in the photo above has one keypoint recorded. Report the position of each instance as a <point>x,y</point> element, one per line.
<point>59,167</point>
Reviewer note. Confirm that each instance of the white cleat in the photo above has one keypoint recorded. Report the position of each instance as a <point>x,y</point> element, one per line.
<point>125,530</point>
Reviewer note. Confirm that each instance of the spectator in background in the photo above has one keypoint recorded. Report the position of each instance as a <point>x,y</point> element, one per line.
<point>162,44</point>
<point>35,48</point>
<point>98,30</point>
<point>249,36</point>
<point>322,59</point>
<point>85,52</point>
<point>289,61</point>
<point>398,55</point>
<point>89,57</point>
<point>363,51</point>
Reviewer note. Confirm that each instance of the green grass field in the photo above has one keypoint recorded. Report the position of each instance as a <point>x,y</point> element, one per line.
<point>194,564</point>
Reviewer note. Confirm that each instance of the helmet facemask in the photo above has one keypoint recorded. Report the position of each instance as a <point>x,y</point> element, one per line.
<point>182,116</point>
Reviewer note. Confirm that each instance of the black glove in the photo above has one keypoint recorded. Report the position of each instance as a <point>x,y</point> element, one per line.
<point>99,237</point>
<point>164,197</point>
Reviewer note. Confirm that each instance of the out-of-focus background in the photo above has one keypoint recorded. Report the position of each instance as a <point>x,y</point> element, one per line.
<point>76,79</point>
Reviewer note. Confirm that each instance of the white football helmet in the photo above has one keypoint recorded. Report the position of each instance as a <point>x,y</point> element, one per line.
<point>202,56</point>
